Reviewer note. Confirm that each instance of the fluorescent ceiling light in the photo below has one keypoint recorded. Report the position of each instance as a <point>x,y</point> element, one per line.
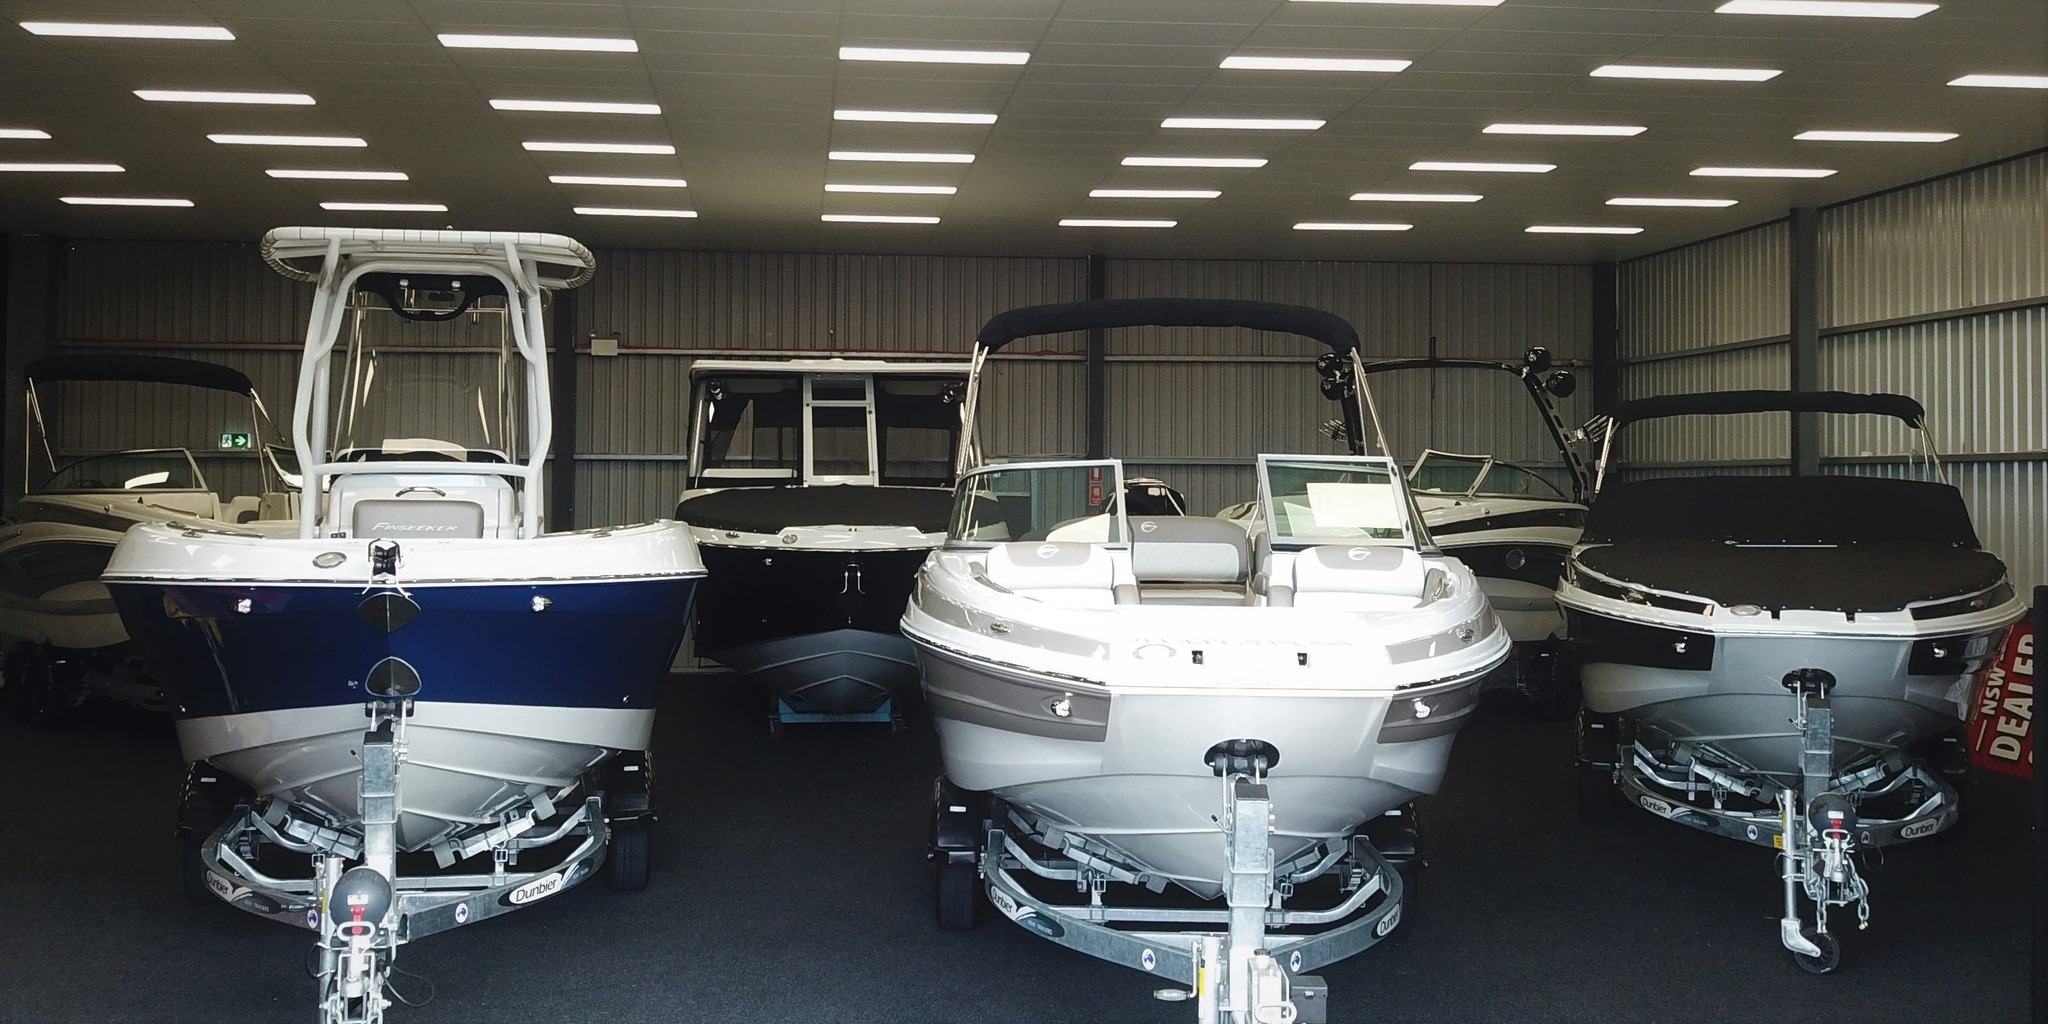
<point>472,41</point>
<point>1415,197</point>
<point>50,168</point>
<point>334,141</point>
<point>1639,201</point>
<point>1289,124</point>
<point>389,207</point>
<point>289,99</point>
<point>576,107</point>
<point>914,56</point>
<point>1418,3</point>
<point>913,117</point>
<point>1614,130</point>
<point>1825,8</point>
<point>655,148</point>
<point>1761,172</point>
<point>23,133</point>
<point>874,218</point>
<point>1194,161</point>
<point>606,179</point>
<point>2003,81</point>
<point>1481,166</point>
<point>1578,229</point>
<point>1101,222</point>
<point>122,201</point>
<point>1313,64</point>
<point>1153,193</point>
<point>111,31</point>
<point>340,175</point>
<point>1348,226</point>
<point>1874,136</point>
<point>627,211</point>
<point>901,158</point>
<point>1686,74</point>
<point>896,190</point>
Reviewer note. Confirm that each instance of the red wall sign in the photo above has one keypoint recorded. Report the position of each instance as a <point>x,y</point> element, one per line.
<point>2002,725</point>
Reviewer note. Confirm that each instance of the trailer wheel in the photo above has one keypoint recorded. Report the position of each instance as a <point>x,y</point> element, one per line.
<point>1410,870</point>
<point>625,861</point>
<point>1556,696</point>
<point>958,896</point>
<point>1599,798</point>
<point>1830,953</point>
<point>45,690</point>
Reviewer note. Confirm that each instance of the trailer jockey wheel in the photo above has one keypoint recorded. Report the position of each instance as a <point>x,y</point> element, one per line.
<point>1830,954</point>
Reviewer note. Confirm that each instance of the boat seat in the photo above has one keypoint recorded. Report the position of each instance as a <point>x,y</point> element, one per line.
<point>1056,572</point>
<point>1360,577</point>
<point>400,518</point>
<point>1187,560</point>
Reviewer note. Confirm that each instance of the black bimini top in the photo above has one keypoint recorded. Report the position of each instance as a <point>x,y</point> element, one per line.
<point>1721,403</point>
<point>1058,318</point>
<point>768,509</point>
<point>146,369</point>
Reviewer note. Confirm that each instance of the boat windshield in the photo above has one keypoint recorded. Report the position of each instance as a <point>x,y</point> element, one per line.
<point>1055,501</point>
<point>166,469</point>
<point>429,390</point>
<point>1334,499</point>
<point>761,429</point>
<point>1450,473</point>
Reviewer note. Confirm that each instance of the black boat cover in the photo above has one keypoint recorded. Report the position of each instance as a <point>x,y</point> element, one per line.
<point>768,509</point>
<point>1726,402</point>
<point>1058,318</point>
<point>1867,577</point>
<point>1781,510</point>
<point>147,369</point>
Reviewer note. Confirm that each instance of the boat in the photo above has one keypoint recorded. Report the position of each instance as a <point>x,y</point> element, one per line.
<point>65,641</point>
<point>1781,659</point>
<point>1189,744</point>
<point>1512,524</point>
<point>412,708</point>
<point>816,488</point>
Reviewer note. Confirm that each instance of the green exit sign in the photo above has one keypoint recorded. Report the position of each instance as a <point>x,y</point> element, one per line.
<point>234,442</point>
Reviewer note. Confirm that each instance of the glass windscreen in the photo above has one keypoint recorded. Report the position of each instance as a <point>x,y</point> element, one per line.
<point>1444,473</point>
<point>917,422</point>
<point>1056,502</point>
<point>1316,501</point>
<point>170,469</point>
<point>751,431</point>
<point>428,390</point>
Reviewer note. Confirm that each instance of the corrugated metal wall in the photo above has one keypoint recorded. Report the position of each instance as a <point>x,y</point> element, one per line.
<point>1939,291</point>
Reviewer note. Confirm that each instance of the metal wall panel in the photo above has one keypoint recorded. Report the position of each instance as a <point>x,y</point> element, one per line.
<point>1388,303</point>
<point>1208,489</point>
<point>1499,311</point>
<point>721,300</point>
<point>1719,292</point>
<point>1968,240</point>
<point>1172,409</point>
<point>1979,377</point>
<point>936,304</point>
<point>179,293</point>
<point>1717,438</point>
<point>613,493</point>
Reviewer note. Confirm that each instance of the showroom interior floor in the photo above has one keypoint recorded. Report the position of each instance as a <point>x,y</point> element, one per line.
<point>790,885</point>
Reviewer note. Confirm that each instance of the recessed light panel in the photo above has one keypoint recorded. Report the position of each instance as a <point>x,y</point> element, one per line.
<point>607,179</point>
<point>1608,130</point>
<point>628,211</point>
<point>1826,8</point>
<point>2003,81</point>
<point>913,117</point>
<point>874,218</point>
<point>1579,229</point>
<point>285,99</point>
<point>1761,172</point>
<point>113,31</point>
<point>575,107</point>
<point>1333,225</point>
<point>1415,197</point>
<point>1281,124</point>
<point>1414,3</point>
<point>1874,136</point>
<point>474,41</point>
<point>1249,63</point>
<point>1111,222</point>
<point>388,207</point>
<point>648,148</point>
<point>329,141</point>
<point>917,56</point>
<point>123,201</point>
<point>1153,193</point>
<point>1483,167</point>
<point>1194,161</point>
<point>1686,74</point>
<point>61,168</point>
<point>1673,202</point>
<point>338,175</point>
<point>895,190</point>
<point>23,133</point>
<point>900,158</point>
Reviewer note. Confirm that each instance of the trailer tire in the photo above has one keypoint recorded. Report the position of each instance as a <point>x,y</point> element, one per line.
<point>625,861</point>
<point>1830,953</point>
<point>957,895</point>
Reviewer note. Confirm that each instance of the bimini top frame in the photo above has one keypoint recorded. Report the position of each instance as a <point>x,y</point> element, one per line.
<point>1730,403</point>
<point>1343,373</point>
<point>136,369</point>
<point>334,259</point>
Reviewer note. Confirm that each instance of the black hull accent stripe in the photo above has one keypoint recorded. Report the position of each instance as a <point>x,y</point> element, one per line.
<point>1568,518</point>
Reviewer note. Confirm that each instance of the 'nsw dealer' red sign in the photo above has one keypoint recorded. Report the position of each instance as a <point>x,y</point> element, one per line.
<point>2002,725</point>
